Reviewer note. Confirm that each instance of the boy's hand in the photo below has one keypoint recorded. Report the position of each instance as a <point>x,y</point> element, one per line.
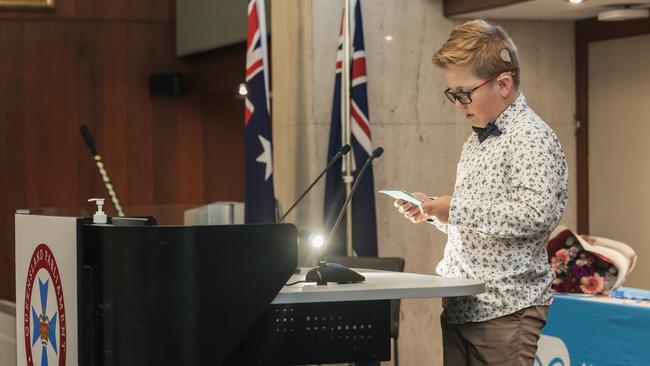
<point>438,208</point>
<point>411,211</point>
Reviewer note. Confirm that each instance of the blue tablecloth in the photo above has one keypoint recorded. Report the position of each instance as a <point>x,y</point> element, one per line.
<point>597,331</point>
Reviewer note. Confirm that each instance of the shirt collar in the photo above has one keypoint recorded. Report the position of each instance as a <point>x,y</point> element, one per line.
<point>507,116</point>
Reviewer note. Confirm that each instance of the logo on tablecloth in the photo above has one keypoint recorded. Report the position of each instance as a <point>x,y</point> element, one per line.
<point>44,311</point>
<point>551,351</point>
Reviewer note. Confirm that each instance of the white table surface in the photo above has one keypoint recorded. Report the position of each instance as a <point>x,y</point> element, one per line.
<point>379,285</point>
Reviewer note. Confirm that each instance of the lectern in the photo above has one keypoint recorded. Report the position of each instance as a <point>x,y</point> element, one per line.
<point>194,295</point>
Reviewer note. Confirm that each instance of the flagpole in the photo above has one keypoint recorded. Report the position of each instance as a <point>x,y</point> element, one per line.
<point>345,110</point>
<point>261,15</point>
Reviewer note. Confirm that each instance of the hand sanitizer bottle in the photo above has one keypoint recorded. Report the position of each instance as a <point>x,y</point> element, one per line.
<point>100,216</point>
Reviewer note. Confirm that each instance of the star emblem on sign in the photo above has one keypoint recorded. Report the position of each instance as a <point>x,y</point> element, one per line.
<point>265,157</point>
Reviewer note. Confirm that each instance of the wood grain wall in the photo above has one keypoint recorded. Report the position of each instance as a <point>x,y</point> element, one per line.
<point>88,61</point>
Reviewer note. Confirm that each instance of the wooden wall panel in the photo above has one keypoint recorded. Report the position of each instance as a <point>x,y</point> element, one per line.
<point>89,62</point>
<point>94,10</point>
<point>49,147</point>
<point>216,77</point>
<point>12,168</point>
<point>224,155</point>
<point>139,128</point>
<point>87,106</point>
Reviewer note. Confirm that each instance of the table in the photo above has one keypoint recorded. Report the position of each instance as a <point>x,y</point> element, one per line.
<point>379,285</point>
<point>595,330</point>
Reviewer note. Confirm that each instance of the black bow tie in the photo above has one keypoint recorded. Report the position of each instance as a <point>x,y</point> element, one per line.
<point>483,133</point>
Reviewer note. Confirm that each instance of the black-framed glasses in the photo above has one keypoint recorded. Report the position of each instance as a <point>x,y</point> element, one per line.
<point>465,97</point>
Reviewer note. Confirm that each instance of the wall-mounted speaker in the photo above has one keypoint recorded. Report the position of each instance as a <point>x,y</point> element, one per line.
<point>166,84</point>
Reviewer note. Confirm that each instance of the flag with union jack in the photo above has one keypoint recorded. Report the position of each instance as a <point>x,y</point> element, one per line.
<point>260,199</point>
<point>364,223</point>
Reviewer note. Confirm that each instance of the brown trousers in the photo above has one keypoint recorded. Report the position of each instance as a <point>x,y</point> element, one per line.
<point>510,340</point>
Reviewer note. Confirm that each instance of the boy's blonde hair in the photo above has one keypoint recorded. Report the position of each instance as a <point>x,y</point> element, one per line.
<point>486,48</point>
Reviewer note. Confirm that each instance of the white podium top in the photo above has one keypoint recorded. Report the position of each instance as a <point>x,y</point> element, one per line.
<point>379,285</point>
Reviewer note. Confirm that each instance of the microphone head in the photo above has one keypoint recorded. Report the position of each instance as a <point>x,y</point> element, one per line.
<point>377,152</point>
<point>344,150</point>
<point>88,139</point>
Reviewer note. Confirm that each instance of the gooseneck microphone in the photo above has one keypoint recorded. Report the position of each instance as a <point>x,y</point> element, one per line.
<point>344,150</point>
<point>332,272</point>
<point>90,143</point>
<point>375,154</point>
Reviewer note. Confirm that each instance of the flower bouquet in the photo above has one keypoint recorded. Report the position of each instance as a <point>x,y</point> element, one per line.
<point>588,264</point>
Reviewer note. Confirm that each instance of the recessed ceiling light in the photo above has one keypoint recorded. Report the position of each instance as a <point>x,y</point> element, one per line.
<point>576,1</point>
<point>623,14</point>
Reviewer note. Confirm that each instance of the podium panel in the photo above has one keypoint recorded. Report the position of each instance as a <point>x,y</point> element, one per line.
<point>181,295</point>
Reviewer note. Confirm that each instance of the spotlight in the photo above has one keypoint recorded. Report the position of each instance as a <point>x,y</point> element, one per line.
<point>317,240</point>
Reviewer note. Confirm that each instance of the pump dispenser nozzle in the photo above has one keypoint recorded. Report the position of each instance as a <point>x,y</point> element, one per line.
<point>100,216</point>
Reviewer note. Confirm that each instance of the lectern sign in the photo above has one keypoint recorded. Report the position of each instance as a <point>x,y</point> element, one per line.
<point>44,310</point>
<point>46,275</point>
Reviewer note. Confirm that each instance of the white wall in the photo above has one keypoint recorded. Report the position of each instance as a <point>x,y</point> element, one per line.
<point>419,129</point>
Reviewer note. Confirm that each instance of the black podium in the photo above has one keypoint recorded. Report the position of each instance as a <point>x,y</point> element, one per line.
<point>176,295</point>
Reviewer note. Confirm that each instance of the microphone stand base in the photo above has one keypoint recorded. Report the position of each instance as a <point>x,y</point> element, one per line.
<point>333,272</point>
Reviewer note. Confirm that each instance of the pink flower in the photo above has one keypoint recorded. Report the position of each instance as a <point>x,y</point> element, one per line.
<point>563,256</point>
<point>593,284</point>
<point>560,261</point>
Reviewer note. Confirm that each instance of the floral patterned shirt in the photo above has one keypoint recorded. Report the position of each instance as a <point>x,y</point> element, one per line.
<point>510,193</point>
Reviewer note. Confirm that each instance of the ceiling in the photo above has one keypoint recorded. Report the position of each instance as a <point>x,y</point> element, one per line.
<point>552,9</point>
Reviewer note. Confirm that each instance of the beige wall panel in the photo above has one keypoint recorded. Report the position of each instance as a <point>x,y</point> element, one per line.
<point>291,76</point>
<point>546,53</point>
<point>619,153</point>
<point>566,134</point>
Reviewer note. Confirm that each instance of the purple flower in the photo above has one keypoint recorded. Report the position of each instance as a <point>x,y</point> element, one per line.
<point>581,271</point>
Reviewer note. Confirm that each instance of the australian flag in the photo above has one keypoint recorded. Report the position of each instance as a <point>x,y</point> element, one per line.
<point>364,223</point>
<point>260,200</point>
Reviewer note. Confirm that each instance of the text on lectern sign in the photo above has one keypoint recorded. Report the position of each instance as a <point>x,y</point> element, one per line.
<point>44,310</point>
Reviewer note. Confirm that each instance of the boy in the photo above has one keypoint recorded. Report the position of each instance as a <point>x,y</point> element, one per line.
<point>509,195</point>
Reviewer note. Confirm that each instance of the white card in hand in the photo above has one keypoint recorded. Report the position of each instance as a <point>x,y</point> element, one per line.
<point>401,195</point>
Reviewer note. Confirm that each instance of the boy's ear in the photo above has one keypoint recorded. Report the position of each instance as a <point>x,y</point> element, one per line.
<point>505,83</point>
